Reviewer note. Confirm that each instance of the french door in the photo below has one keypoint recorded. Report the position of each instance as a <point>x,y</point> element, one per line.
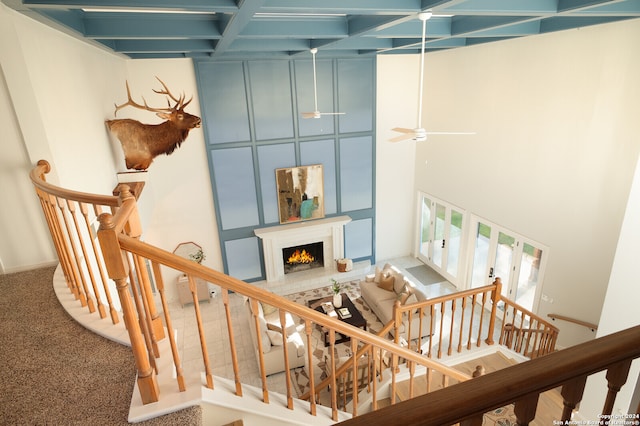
<point>519,262</point>
<point>441,230</point>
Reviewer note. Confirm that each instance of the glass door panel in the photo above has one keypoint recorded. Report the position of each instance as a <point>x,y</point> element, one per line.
<point>480,270</point>
<point>455,242</point>
<point>439,240</point>
<point>425,229</point>
<point>529,274</point>
<point>503,263</point>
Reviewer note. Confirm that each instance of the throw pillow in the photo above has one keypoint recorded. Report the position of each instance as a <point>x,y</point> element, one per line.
<point>402,297</point>
<point>398,284</point>
<point>378,275</point>
<point>268,309</point>
<point>386,282</point>
<point>275,337</point>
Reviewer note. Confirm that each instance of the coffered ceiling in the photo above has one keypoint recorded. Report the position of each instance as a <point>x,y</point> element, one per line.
<point>253,29</point>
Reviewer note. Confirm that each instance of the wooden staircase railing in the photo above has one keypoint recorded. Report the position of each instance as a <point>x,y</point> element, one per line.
<point>521,385</point>
<point>99,236</point>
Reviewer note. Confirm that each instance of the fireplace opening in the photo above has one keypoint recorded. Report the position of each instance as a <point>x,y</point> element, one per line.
<point>303,257</point>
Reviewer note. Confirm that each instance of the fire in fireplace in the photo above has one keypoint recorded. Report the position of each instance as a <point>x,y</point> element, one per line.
<point>303,257</point>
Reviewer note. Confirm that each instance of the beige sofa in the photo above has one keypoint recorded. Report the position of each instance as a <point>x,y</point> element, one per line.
<point>272,342</point>
<point>381,290</point>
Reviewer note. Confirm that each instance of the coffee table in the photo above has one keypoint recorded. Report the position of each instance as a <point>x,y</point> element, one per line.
<point>356,319</point>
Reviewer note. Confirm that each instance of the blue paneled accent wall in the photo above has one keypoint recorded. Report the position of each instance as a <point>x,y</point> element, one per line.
<point>251,112</point>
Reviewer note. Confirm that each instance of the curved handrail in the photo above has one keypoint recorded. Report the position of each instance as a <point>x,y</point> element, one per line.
<point>37,178</point>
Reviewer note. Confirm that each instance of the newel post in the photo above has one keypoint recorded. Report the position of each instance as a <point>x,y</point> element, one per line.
<point>495,298</point>
<point>134,229</point>
<point>118,270</point>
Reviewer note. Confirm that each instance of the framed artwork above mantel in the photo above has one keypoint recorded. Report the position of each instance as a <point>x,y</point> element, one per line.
<point>300,193</point>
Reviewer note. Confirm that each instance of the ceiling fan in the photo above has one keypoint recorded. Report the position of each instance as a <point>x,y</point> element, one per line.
<point>316,113</point>
<point>419,134</point>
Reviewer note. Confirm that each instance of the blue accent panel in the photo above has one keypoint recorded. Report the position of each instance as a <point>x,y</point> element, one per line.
<point>305,97</point>
<point>270,158</point>
<point>235,187</point>
<point>356,88</point>
<point>358,238</point>
<point>223,101</point>
<point>243,258</point>
<point>356,173</point>
<point>323,152</point>
<point>271,99</point>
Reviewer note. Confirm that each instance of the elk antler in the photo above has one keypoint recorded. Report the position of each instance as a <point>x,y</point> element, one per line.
<point>179,102</point>
<point>131,102</point>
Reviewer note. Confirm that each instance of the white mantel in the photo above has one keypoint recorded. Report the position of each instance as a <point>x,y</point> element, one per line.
<point>329,231</point>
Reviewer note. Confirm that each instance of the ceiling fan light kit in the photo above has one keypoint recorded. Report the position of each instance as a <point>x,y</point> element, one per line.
<point>316,113</point>
<point>419,134</point>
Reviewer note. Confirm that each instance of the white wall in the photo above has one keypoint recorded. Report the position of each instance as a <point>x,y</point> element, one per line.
<point>61,92</point>
<point>555,149</point>
<point>177,205</point>
<point>620,310</point>
<point>396,106</point>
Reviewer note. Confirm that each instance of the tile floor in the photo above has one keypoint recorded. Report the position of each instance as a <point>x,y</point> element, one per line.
<point>217,334</point>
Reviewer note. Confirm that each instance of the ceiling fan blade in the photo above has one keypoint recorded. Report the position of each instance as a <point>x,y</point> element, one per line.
<point>332,113</point>
<point>403,137</point>
<point>451,133</point>
<point>403,130</point>
<point>310,115</point>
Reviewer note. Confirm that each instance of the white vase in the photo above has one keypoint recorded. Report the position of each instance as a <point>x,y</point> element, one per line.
<point>337,300</point>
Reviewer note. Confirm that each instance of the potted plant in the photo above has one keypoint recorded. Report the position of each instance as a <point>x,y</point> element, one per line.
<point>337,297</point>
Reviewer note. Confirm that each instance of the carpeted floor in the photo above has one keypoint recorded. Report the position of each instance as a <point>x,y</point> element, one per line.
<point>54,371</point>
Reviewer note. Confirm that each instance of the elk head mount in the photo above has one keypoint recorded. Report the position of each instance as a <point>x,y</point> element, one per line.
<point>141,142</point>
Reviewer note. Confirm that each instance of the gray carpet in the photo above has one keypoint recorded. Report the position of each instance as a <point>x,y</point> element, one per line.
<point>426,275</point>
<point>54,371</point>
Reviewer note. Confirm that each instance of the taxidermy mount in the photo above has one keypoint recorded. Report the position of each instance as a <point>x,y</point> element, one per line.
<point>141,142</point>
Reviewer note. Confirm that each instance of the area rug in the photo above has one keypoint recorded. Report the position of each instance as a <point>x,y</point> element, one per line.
<point>426,275</point>
<point>300,376</point>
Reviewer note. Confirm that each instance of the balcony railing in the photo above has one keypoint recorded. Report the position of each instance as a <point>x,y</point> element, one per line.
<point>100,236</point>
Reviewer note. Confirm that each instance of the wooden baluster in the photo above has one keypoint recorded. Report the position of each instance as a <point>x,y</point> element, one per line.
<point>442,307</point>
<point>145,314</point>
<point>142,318</point>
<point>167,317</point>
<point>232,341</point>
<point>463,308</point>
<point>484,302</point>
<point>616,378</point>
<point>263,376</point>
<point>412,370</point>
<point>355,381</point>
<point>285,353</point>
<point>113,312</point>
<point>308,329</point>
<point>429,378</point>
<point>495,297</point>
<point>332,360</point>
<point>525,409</point>
<point>432,312</point>
<point>54,225</point>
<point>67,256</point>
<point>85,300</point>
<point>453,316</point>
<point>71,205</point>
<point>572,394</point>
<point>471,322</point>
<point>394,366</point>
<point>203,340</point>
<point>117,269</point>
